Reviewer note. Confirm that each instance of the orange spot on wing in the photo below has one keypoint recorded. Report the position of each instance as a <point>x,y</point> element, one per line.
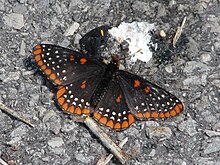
<point>71,109</point>
<point>103,120</point>
<point>61,100</point>
<point>154,114</point>
<point>83,60</point>
<point>110,124</point>
<point>130,119</point>
<point>53,76</point>
<point>37,47</point>
<point>38,51</point>
<point>65,106</point>
<point>137,83</point>
<point>162,115</point>
<point>180,105</point>
<point>97,115</point>
<point>86,111</point>
<point>147,89</point>
<point>172,112</point>
<point>139,115</point>
<point>83,85</point>
<point>40,63</point>
<point>177,109</point>
<point>48,71</point>
<point>78,111</point>
<point>147,115</point>
<point>167,114</point>
<point>37,57</point>
<point>43,67</point>
<point>60,92</point>
<point>117,126</point>
<point>118,100</point>
<point>125,124</point>
<point>72,58</point>
<point>57,81</point>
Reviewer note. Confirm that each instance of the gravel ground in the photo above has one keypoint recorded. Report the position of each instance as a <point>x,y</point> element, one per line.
<point>193,75</point>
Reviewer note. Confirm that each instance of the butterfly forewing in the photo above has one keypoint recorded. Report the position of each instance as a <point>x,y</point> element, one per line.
<point>64,66</point>
<point>112,111</point>
<point>147,100</point>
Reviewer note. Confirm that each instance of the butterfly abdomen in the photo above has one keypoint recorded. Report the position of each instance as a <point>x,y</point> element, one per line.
<point>104,83</point>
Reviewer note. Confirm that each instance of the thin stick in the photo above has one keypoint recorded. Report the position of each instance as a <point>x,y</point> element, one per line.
<point>178,32</point>
<point>106,140</point>
<point>3,162</point>
<point>109,157</point>
<point>15,114</point>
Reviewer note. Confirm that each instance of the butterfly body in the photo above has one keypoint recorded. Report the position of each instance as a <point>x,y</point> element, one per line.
<point>114,97</point>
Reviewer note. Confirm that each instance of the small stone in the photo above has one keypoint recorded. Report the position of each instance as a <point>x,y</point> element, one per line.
<point>188,126</point>
<point>19,131</point>
<point>2,5</point>
<point>196,80</point>
<point>152,153</point>
<point>14,20</point>
<point>211,133</point>
<point>216,126</point>
<point>216,82</point>
<point>72,29</point>
<point>162,34</point>
<point>213,146</point>
<point>193,66</point>
<point>205,57</point>
<point>55,142</point>
<point>169,69</point>
<point>161,132</point>
<point>12,76</point>
<point>82,158</point>
<point>22,48</point>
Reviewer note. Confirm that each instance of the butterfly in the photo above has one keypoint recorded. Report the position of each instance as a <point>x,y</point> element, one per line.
<point>115,98</point>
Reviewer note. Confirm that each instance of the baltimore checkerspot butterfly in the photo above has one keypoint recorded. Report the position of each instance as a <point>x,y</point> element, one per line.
<point>115,98</point>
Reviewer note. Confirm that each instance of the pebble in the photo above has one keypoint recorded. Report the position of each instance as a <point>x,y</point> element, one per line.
<point>82,158</point>
<point>216,82</point>
<point>213,146</point>
<point>72,29</point>
<point>193,66</point>
<point>2,6</point>
<point>19,131</point>
<point>168,69</point>
<point>154,130</point>
<point>55,142</point>
<point>12,76</point>
<point>188,126</point>
<point>211,133</point>
<point>14,20</point>
<point>22,48</point>
<point>216,126</point>
<point>205,57</point>
<point>199,79</point>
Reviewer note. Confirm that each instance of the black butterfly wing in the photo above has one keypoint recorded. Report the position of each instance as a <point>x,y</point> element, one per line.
<point>147,100</point>
<point>64,66</point>
<point>93,41</point>
<point>75,97</point>
<point>112,111</point>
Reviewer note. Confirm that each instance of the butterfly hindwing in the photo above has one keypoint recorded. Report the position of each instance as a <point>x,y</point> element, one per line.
<point>112,111</point>
<point>75,97</point>
<point>147,100</point>
<point>63,66</point>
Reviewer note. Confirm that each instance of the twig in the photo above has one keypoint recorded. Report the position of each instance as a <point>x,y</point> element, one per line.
<point>15,114</point>
<point>106,160</point>
<point>2,162</point>
<point>106,140</point>
<point>178,32</point>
